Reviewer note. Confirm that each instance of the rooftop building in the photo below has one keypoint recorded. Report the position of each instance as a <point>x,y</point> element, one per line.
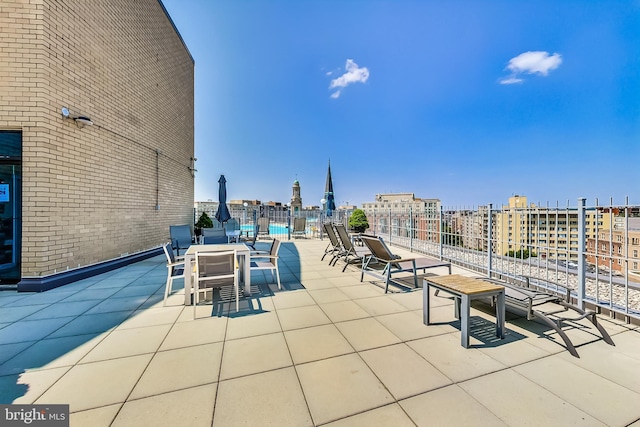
<point>96,136</point>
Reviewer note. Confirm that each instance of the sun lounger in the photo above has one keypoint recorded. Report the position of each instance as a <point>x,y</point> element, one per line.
<point>299,227</point>
<point>350,253</point>
<point>263,227</point>
<point>382,263</point>
<point>334,247</point>
<point>525,297</point>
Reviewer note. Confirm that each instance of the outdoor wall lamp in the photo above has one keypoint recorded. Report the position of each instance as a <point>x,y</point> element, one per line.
<point>81,121</point>
<point>192,168</point>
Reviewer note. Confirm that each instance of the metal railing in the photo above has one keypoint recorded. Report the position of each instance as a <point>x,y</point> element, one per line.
<point>281,222</point>
<point>591,250</point>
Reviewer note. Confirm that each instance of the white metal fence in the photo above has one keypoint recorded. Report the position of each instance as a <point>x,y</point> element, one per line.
<point>592,250</point>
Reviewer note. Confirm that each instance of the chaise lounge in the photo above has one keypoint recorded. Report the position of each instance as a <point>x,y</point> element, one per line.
<point>382,263</point>
<point>524,296</point>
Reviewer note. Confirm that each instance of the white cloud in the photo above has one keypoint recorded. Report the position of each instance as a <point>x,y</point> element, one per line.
<point>354,74</point>
<point>510,81</point>
<point>538,63</point>
<point>535,63</point>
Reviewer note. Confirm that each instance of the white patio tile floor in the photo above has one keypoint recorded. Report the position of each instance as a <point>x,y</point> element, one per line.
<point>325,350</point>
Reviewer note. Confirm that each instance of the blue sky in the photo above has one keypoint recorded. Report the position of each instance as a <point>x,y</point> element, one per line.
<point>470,101</point>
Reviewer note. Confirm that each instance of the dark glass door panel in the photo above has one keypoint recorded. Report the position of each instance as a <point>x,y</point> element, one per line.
<point>10,206</point>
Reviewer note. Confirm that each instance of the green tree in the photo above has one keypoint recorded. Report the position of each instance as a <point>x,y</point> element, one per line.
<point>521,253</point>
<point>203,222</point>
<point>358,221</point>
<point>449,237</point>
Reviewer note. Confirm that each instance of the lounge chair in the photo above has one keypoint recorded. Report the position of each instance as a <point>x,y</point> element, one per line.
<point>383,264</point>
<point>350,253</point>
<point>522,296</point>
<point>299,227</point>
<point>263,227</point>
<point>181,237</point>
<point>334,247</point>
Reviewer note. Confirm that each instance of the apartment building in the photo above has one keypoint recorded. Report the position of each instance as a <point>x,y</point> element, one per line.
<point>549,232</point>
<point>96,136</point>
<point>471,226</point>
<point>405,215</point>
<point>617,248</point>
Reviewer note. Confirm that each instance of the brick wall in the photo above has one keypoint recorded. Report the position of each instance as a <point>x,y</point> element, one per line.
<point>90,194</point>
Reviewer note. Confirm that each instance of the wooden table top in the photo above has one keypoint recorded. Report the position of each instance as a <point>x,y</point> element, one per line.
<point>463,284</point>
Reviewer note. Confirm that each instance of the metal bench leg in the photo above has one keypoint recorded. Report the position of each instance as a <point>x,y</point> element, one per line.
<point>500,315</point>
<point>425,303</point>
<point>464,320</point>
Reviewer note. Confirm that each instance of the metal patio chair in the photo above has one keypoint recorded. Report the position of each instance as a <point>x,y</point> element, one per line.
<point>175,269</point>
<point>215,270</point>
<point>267,261</point>
<point>181,237</point>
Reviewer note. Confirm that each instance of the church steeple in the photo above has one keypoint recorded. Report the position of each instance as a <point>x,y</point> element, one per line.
<point>330,204</point>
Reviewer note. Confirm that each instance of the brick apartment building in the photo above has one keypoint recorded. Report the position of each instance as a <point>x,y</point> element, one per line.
<point>617,248</point>
<point>96,135</point>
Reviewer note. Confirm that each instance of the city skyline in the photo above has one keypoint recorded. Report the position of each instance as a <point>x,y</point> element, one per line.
<point>467,102</point>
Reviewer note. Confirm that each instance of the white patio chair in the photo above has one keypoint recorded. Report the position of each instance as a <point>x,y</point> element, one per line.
<point>267,261</point>
<point>215,270</point>
<point>175,269</point>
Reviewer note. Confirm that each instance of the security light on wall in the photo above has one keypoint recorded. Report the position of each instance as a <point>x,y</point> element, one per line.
<point>81,121</point>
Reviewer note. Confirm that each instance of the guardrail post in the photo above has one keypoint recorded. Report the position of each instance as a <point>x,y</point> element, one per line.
<point>411,228</point>
<point>441,232</point>
<point>489,239</point>
<point>389,222</point>
<point>582,283</point>
<point>289,223</point>
<point>374,221</point>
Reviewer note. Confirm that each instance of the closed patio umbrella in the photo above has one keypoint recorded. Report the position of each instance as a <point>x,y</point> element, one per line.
<point>222,214</point>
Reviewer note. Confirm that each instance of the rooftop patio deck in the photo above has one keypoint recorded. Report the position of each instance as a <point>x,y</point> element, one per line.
<point>325,350</point>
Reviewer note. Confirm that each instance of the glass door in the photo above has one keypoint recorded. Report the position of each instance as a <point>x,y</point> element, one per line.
<point>10,206</point>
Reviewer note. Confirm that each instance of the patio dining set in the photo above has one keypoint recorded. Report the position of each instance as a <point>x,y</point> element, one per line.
<point>215,261</point>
